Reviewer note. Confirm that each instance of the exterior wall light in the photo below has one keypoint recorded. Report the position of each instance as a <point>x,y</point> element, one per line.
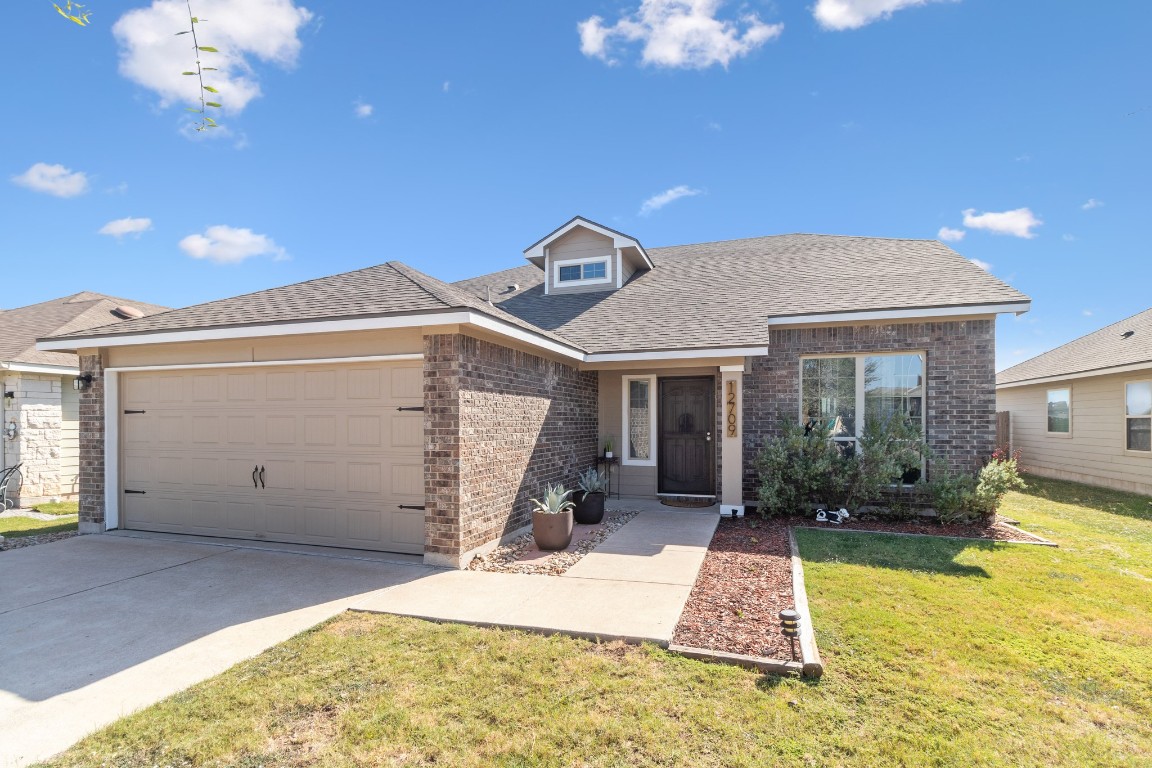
<point>790,628</point>
<point>10,430</point>
<point>82,382</point>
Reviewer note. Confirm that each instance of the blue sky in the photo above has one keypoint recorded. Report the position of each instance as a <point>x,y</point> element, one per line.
<point>450,136</point>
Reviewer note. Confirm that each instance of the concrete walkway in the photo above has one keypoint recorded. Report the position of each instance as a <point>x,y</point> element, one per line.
<point>633,586</point>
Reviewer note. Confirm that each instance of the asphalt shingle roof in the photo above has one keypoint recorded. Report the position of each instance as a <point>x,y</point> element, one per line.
<point>387,289</point>
<point>20,327</point>
<point>723,293</point>
<point>707,295</point>
<point>1098,351</point>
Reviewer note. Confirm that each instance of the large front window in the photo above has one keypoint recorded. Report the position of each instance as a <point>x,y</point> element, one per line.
<point>842,394</point>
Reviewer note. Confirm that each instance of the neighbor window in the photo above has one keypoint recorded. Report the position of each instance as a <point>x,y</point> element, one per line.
<point>639,444</point>
<point>1138,415</point>
<point>1060,411</point>
<point>591,270</point>
<point>842,394</point>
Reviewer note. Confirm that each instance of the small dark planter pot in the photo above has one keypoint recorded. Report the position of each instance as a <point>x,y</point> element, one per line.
<point>589,508</point>
<point>552,532</point>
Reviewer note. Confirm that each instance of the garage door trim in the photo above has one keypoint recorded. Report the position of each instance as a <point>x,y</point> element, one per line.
<point>112,411</point>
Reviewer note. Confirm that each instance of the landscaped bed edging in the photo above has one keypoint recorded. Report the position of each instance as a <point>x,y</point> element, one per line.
<point>1039,540</point>
<point>812,665</point>
<point>760,663</point>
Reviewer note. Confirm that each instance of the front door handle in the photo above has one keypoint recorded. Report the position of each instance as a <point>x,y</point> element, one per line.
<point>254,471</point>
<point>261,475</point>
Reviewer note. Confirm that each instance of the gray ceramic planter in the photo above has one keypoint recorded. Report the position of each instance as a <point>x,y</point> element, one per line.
<point>552,532</point>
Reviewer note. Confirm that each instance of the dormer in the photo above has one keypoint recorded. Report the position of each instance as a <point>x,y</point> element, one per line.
<point>583,256</point>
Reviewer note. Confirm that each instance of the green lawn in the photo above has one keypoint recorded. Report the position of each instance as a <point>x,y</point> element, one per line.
<point>939,653</point>
<point>27,526</point>
<point>59,507</point>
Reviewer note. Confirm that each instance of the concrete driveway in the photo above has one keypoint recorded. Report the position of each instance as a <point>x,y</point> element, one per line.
<point>96,627</point>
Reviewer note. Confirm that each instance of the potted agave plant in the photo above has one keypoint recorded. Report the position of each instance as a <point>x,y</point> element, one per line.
<point>590,498</point>
<point>552,518</point>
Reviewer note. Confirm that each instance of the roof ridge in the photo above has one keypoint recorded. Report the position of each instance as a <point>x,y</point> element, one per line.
<point>799,234</point>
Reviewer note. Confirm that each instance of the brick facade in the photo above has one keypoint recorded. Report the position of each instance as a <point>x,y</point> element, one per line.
<point>960,378</point>
<point>92,446</point>
<point>499,425</point>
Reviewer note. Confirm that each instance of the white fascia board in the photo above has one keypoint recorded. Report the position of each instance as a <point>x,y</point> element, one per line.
<point>618,240</point>
<point>1080,375</point>
<point>675,354</point>
<point>269,363</point>
<point>319,326</point>
<point>1018,308</point>
<point>63,370</point>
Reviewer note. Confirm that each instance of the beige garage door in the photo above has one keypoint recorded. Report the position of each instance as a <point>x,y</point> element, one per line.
<point>317,454</point>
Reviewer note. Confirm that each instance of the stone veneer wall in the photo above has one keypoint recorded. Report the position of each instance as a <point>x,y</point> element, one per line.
<point>36,409</point>
<point>92,446</point>
<point>499,425</point>
<point>960,378</point>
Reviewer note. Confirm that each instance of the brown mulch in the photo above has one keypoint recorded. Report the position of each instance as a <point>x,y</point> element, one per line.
<point>745,582</point>
<point>746,579</point>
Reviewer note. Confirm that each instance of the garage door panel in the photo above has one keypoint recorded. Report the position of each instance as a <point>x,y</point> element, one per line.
<point>338,458</point>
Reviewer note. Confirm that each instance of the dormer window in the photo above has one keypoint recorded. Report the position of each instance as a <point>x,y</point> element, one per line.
<point>585,257</point>
<point>582,271</point>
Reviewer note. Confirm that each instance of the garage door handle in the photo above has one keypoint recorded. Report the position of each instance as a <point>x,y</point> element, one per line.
<point>261,475</point>
<point>128,491</point>
<point>410,506</point>
<point>255,469</point>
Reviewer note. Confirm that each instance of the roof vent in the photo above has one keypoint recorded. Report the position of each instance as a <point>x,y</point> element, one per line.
<point>1127,334</point>
<point>127,313</point>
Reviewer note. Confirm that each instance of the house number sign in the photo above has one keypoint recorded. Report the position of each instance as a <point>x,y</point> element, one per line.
<point>730,409</point>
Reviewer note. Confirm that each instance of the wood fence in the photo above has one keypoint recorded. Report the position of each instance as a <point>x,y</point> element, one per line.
<point>1004,431</point>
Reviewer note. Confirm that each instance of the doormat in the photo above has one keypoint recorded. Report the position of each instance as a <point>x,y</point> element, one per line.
<point>690,503</point>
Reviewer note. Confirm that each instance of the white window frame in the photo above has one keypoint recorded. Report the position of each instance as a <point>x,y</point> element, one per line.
<point>1127,418</point>
<point>607,279</point>
<point>625,435</point>
<point>861,415</point>
<point>1047,393</point>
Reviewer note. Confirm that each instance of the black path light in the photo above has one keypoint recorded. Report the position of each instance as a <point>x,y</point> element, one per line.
<point>790,628</point>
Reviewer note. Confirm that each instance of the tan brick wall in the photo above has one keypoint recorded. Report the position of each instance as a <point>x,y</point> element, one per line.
<point>960,377</point>
<point>500,424</point>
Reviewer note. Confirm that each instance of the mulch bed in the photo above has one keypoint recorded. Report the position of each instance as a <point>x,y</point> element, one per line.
<point>746,579</point>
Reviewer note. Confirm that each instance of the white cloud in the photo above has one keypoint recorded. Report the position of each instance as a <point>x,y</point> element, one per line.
<point>1018,223</point>
<point>1092,203</point>
<point>853,14</point>
<point>951,235</point>
<point>230,245</point>
<point>656,202</point>
<point>53,180</point>
<point>982,264</point>
<point>1068,238</point>
<point>128,226</point>
<point>152,55</point>
<point>362,109</point>
<point>678,33</point>
<point>447,86</point>
<point>1087,313</point>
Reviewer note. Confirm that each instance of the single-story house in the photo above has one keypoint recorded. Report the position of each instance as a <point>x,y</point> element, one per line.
<point>386,409</point>
<point>1083,411</point>
<point>40,407</point>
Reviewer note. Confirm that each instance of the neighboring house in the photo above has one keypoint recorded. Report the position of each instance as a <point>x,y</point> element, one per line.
<point>1083,411</point>
<point>385,409</point>
<point>39,410</point>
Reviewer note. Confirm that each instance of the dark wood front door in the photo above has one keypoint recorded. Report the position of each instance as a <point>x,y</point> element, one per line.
<point>687,422</point>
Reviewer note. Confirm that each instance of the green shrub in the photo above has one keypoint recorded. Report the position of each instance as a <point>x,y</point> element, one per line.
<point>966,498</point>
<point>803,466</point>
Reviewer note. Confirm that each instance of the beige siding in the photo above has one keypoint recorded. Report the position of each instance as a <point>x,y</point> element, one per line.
<point>1095,452</point>
<point>581,243</point>
<point>323,346</point>
<point>633,480</point>
<point>69,439</point>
